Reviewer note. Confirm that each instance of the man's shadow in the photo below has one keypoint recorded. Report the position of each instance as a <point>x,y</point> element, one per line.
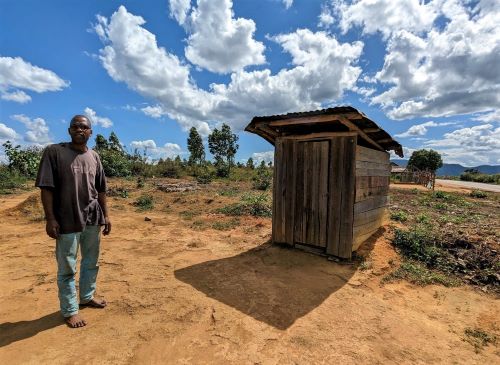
<point>272,284</point>
<point>16,331</point>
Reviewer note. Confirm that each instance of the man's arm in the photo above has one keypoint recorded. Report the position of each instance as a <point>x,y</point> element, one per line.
<point>102,202</point>
<point>51,227</point>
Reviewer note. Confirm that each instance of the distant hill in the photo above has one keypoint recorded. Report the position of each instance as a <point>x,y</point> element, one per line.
<point>453,169</point>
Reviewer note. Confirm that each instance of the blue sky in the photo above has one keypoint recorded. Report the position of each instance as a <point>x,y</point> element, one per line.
<point>427,72</point>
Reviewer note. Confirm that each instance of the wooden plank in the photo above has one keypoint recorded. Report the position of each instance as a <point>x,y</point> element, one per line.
<point>363,182</point>
<point>320,136</point>
<point>354,127</point>
<point>370,215</point>
<point>371,155</point>
<point>357,241</point>
<point>282,192</point>
<point>368,227</point>
<point>373,165</point>
<point>371,130</point>
<point>299,194</point>
<point>366,193</point>
<point>304,120</point>
<point>373,172</point>
<point>372,203</point>
<point>289,192</point>
<point>277,201</point>
<point>348,190</point>
<point>324,174</point>
<point>334,203</point>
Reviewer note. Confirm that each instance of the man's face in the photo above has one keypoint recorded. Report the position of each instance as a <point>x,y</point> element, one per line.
<point>80,130</point>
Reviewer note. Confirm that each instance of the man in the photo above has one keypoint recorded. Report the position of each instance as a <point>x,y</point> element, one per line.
<point>73,188</point>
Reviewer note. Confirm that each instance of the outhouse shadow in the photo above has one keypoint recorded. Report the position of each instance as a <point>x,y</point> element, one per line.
<point>272,284</point>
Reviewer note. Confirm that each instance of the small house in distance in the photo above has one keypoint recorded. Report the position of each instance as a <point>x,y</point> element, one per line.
<point>331,178</point>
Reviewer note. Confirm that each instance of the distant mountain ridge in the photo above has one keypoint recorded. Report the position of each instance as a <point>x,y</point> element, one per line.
<point>453,169</point>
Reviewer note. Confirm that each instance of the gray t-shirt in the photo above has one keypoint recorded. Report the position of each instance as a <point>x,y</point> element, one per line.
<point>75,178</point>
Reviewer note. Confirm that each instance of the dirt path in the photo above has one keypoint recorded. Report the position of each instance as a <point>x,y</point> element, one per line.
<point>183,296</point>
<point>468,185</point>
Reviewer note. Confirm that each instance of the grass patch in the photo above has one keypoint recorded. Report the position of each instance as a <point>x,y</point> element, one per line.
<point>399,216</point>
<point>418,274</point>
<point>258,205</point>
<point>189,214</point>
<point>226,225</point>
<point>11,180</point>
<point>478,194</point>
<point>479,338</point>
<point>229,192</point>
<point>144,202</point>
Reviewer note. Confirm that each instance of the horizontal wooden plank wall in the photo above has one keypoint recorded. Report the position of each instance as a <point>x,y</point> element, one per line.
<point>372,193</point>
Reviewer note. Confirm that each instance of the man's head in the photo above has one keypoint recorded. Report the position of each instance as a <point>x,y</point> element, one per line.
<point>80,129</point>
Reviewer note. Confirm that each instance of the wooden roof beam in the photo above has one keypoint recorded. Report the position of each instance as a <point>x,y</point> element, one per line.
<point>304,120</point>
<point>371,130</point>
<point>363,135</point>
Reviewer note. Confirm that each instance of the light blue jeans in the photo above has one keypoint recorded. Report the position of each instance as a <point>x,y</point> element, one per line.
<point>66,255</point>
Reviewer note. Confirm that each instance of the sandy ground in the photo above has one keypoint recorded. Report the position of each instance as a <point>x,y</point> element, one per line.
<point>183,296</point>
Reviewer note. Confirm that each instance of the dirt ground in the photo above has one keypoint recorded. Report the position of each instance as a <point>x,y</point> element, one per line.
<point>182,292</point>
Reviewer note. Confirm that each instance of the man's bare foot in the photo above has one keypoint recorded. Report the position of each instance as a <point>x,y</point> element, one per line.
<point>94,303</point>
<point>75,321</point>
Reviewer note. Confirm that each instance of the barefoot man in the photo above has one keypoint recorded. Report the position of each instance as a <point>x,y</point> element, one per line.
<point>73,187</point>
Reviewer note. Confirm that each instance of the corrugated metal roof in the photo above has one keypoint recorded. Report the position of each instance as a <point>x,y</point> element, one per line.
<point>346,115</point>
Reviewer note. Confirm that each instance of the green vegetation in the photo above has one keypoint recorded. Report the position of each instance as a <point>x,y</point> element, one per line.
<point>478,194</point>
<point>222,145</point>
<point>258,205</point>
<point>418,274</point>
<point>476,176</point>
<point>399,216</point>
<point>425,160</point>
<point>264,177</point>
<point>226,225</point>
<point>448,237</point>
<point>144,202</point>
<point>479,338</point>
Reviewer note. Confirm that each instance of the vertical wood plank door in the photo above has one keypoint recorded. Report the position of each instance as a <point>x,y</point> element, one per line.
<point>311,192</point>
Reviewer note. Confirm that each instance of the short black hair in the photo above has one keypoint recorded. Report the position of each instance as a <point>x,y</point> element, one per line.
<point>80,116</point>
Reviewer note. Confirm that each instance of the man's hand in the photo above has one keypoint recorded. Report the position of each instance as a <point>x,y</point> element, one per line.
<point>107,226</point>
<point>52,228</point>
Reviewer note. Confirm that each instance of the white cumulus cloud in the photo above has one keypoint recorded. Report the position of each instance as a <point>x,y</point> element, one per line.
<point>38,130</point>
<point>219,42</point>
<point>153,111</point>
<point>287,3</point>
<point>16,74</point>
<point>267,157</point>
<point>7,133</point>
<point>155,152</point>
<point>421,129</point>
<point>470,146</point>
<point>96,119</point>
<point>322,69</point>
<point>433,70</point>
<point>179,10</point>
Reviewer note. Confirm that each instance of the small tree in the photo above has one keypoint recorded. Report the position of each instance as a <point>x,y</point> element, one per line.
<point>195,148</point>
<point>250,164</point>
<point>114,158</point>
<point>263,178</point>
<point>223,146</point>
<point>425,160</point>
<point>24,161</point>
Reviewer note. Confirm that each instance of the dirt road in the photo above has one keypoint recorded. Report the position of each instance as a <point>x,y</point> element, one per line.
<point>468,185</point>
<point>182,295</point>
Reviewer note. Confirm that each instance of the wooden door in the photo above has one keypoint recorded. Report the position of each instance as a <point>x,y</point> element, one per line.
<point>311,193</point>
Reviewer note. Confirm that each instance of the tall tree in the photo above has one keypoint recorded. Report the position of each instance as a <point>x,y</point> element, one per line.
<point>195,147</point>
<point>114,143</point>
<point>425,160</point>
<point>101,143</point>
<point>250,163</point>
<point>222,145</point>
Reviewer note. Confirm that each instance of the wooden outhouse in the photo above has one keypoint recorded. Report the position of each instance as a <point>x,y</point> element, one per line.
<point>331,178</point>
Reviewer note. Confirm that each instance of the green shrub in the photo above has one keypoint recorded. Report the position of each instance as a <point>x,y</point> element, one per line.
<point>423,218</point>
<point>417,273</point>
<point>258,205</point>
<point>399,216</point>
<point>441,195</point>
<point>24,161</point>
<point>419,243</point>
<point>478,194</point>
<point>226,225</point>
<point>144,202</point>
<point>263,178</point>
<point>204,175</point>
<point>115,163</point>
<point>10,179</point>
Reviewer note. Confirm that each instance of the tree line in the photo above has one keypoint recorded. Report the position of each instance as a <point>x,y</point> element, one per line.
<point>118,162</point>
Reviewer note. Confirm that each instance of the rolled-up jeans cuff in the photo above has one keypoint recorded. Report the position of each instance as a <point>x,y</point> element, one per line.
<point>70,314</point>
